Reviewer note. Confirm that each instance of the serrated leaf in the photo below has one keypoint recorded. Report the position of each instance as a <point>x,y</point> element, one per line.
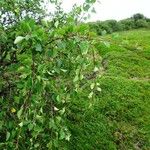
<point>18,39</point>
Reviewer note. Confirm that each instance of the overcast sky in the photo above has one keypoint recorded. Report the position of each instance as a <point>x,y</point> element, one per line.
<point>114,9</point>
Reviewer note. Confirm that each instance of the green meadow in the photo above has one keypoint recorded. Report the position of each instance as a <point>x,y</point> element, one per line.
<point>119,115</point>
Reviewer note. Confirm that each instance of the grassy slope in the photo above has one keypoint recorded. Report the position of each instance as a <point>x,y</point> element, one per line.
<point>120,115</point>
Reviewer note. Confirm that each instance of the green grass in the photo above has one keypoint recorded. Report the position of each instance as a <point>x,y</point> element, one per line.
<point>120,115</point>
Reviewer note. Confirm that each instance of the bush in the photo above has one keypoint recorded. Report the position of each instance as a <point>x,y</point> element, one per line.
<point>127,24</point>
<point>141,23</point>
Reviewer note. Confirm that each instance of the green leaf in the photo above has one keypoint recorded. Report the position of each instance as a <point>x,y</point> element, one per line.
<point>52,124</point>
<point>76,78</point>
<point>30,126</point>
<point>63,70</point>
<point>58,98</point>
<point>92,86</point>
<point>99,89</point>
<point>90,1</point>
<point>93,10</point>
<point>18,39</point>
<point>90,95</point>
<point>96,69</point>
<point>7,136</point>
<point>86,7</point>
<point>36,145</point>
<point>68,137</point>
<point>56,23</point>
<point>38,48</point>
<point>21,124</point>
<point>62,111</point>
<point>62,135</point>
<point>107,44</point>
<point>38,128</point>
<point>84,46</point>
<point>19,113</point>
<point>103,32</point>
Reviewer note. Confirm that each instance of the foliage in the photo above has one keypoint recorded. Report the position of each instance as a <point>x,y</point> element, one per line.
<point>110,26</point>
<point>141,23</point>
<point>43,64</point>
<point>138,16</point>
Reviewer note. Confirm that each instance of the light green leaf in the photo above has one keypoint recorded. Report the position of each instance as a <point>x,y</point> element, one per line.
<point>62,135</point>
<point>56,24</point>
<point>63,70</point>
<point>21,124</point>
<point>81,77</point>
<point>62,111</point>
<point>55,108</point>
<point>38,48</point>
<point>90,95</point>
<point>103,32</point>
<point>107,44</point>
<point>36,145</point>
<point>84,46</point>
<point>92,86</point>
<point>76,79</point>
<point>19,113</point>
<point>99,89</point>
<point>18,39</point>
<point>96,69</point>
<point>68,137</point>
<point>58,98</point>
<point>7,136</point>
<point>30,126</point>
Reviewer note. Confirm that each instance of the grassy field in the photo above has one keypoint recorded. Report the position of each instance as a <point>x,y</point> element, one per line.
<point>120,115</point>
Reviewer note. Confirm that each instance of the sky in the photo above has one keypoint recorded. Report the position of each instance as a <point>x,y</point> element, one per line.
<point>114,9</point>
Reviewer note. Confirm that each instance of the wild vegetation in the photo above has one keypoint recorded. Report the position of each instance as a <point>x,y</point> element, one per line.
<point>109,26</point>
<point>119,117</point>
<point>64,87</point>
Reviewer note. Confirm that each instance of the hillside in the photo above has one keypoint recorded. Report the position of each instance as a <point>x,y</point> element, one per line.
<point>119,115</point>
